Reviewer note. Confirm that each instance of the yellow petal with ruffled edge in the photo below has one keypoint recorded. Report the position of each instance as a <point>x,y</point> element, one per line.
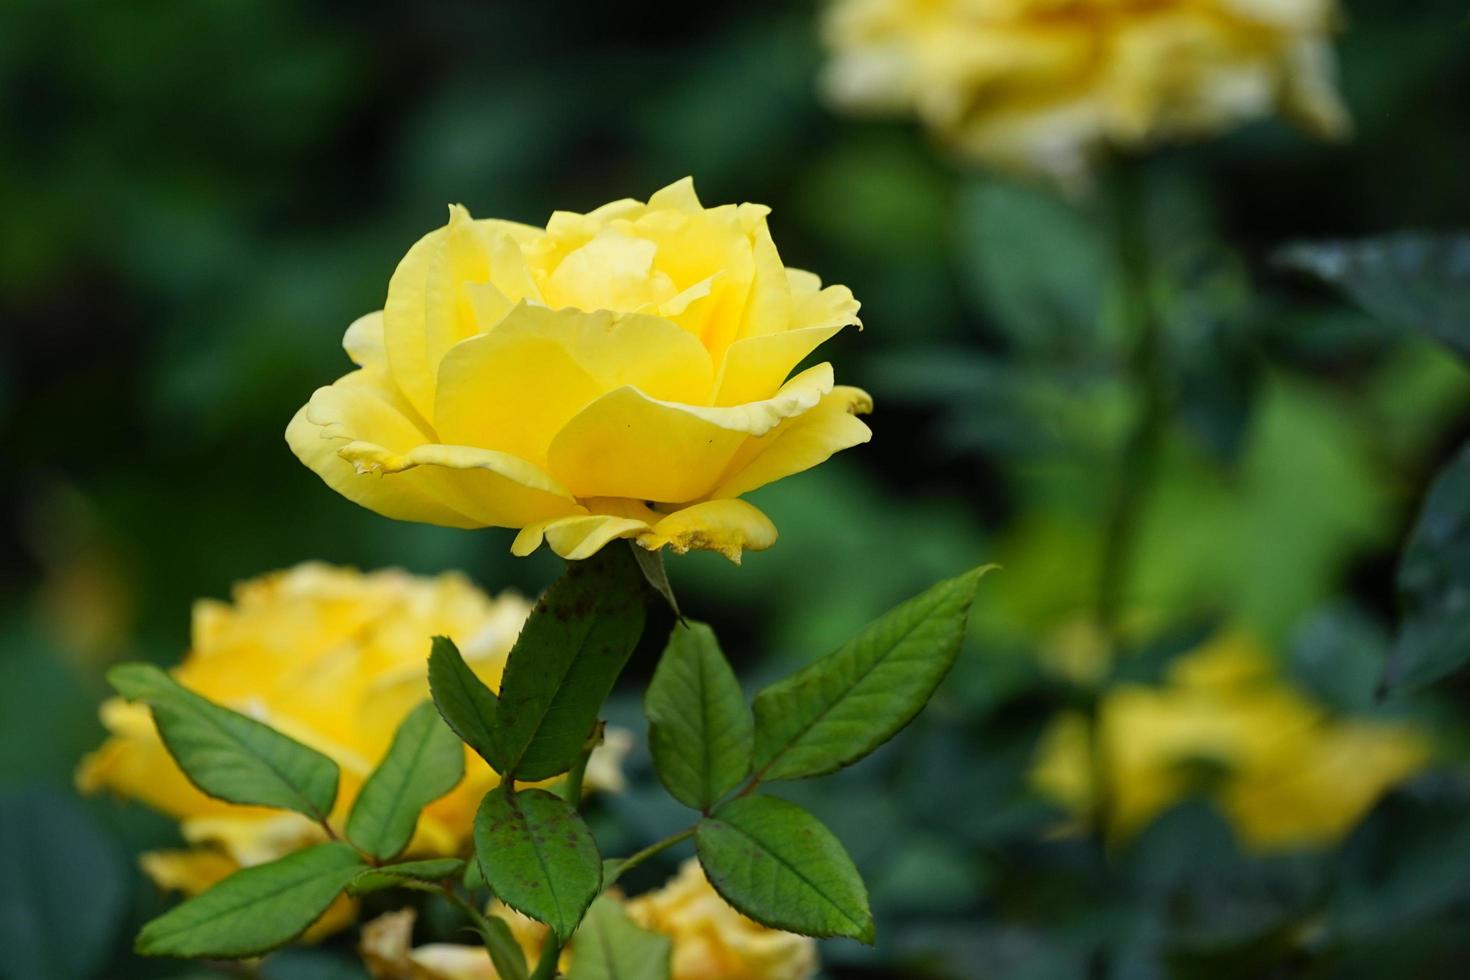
<point>487,385</point>
<point>726,526</point>
<point>649,353</point>
<point>494,489</point>
<point>626,444</point>
<point>799,444</point>
<point>351,411</point>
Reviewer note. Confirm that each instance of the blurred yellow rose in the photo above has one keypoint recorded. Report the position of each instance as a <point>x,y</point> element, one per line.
<point>1226,726</point>
<point>1044,85</point>
<point>711,941</point>
<point>618,374</point>
<point>334,658</point>
<point>714,942</point>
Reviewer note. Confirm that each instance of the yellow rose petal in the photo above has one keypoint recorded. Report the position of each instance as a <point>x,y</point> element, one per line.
<point>726,526</point>
<point>575,538</point>
<point>494,489</point>
<point>649,353</point>
<point>344,412</point>
<point>189,871</point>
<point>755,366</point>
<point>487,382</point>
<point>626,444</point>
<point>364,343</point>
<point>799,444</point>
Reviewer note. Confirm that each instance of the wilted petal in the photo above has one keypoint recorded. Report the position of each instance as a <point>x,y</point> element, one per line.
<point>726,526</point>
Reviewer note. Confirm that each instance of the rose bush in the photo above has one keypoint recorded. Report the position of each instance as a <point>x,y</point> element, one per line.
<point>335,659</point>
<point>618,374</point>
<point>1042,85</point>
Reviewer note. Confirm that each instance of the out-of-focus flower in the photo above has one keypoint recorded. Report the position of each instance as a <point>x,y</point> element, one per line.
<point>1226,726</point>
<point>618,374</point>
<point>1043,85</point>
<point>335,659</point>
<point>714,942</point>
<point>711,941</point>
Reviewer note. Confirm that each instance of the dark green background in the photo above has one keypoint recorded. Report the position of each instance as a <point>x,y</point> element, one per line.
<point>197,197</point>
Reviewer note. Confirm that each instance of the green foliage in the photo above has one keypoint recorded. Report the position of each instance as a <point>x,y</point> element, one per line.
<point>565,662</point>
<point>651,564</point>
<point>430,870</point>
<point>466,704</point>
<point>228,755</point>
<point>1434,584</point>
<point>424,762</point>
<point>610,946</point>
<point>1038,263</point>
<point>60,878</point>
<point>845,705</point>
<point>701,731</point>
<point>537,856</point>
<point>1414,281</point>
<point>780,866</point>
<point>254,910</point>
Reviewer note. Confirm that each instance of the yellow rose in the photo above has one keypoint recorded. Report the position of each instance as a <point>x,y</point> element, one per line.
<point>1043,85</point>
<point>1224,725</point>
<point>710,940</point>
<point>335,659</point>
<point>618,374</point>
<point>714,942</point>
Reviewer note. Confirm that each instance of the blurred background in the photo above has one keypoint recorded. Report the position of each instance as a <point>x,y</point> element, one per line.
<point>199,196</point>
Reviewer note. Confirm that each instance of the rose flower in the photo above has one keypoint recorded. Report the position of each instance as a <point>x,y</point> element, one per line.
<point>620,374</point>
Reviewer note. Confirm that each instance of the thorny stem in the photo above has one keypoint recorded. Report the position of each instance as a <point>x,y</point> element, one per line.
<point>571,789</point>
<point>465,906</point>
<point>550,954</point>
<point>1140,451</point>
<point>638,858</point>
<point>1137,469</point>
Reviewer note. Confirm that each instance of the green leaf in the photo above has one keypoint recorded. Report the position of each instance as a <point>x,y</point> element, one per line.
<point>254,910</point>
<point>466,704</point>
<point>701,731</point>
<point>779,865</point>
<point>226,754</point>
<point>537,856</point>
<point>651,564</point>
<point>394,875</point>
<point>565,662</point>
<point>610,946</point>
<point>1414,281</point>
<point>425,761</point>
<point>1038,264</point>
<point>853,700</point>
<point>63,888</point>
<point>1434,584</point>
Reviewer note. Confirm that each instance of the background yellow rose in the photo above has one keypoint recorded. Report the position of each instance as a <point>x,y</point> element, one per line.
<point>335,659</point>
<point>1042,85</point>
<point>1225,726</point>
<point>618,374</point>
